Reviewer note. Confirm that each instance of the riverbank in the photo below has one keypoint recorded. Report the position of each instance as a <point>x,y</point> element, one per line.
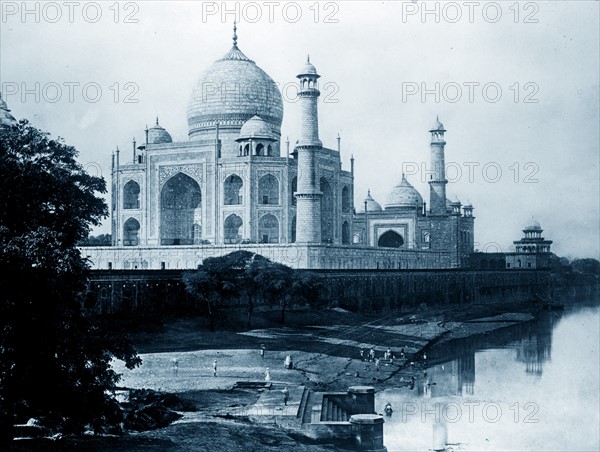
<point>325,347</point>
<point>179,353</point>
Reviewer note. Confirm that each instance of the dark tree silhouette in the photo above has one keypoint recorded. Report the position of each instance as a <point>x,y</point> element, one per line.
<point>287,287</point>
<point>587,266</point>
<point>253,277</point>
<point>212,285</point>
<point>54,361</point>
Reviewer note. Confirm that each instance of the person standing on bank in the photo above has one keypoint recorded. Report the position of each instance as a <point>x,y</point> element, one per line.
<point>267,375</point>
<point>286,395</point>
<point>215,368</point>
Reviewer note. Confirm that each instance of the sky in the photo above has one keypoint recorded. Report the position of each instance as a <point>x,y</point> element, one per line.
<point>516,85</point>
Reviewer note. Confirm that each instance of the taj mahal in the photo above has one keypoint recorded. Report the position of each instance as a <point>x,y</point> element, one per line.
<point>233,184</point>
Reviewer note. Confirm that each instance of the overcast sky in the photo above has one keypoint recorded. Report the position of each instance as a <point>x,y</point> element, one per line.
<point>517,87</point>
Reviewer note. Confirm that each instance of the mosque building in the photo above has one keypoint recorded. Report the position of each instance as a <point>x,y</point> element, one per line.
<point>233,184</point>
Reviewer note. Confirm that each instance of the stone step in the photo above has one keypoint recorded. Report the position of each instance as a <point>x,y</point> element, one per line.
<point>302,407</point>
<point>308,408</point>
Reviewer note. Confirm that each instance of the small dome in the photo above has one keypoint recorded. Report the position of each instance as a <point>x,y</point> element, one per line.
<point>6,119</point>
<point>371,204</point>
<point>533,226</point>
<point>256,127</point>
<point>437,126</point>
<point>404,195</point>
<point>158,135</point>
<point>308,69</point>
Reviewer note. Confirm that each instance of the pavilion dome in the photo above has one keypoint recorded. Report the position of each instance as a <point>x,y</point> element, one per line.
<point>532,226</point>
<point>404,195</point>
<point>257,128</point>
<point>437,126</point>
<point>158,135</point>
<point>371,204</point>
<point>308,69</point>
<point>230,92</point>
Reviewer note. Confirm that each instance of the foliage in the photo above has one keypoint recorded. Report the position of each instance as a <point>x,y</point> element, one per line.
<point>220,280</point>
<point>96,240</point>
<point>212,286</point>
<point>288,287</point>
<point>586,266</point>
<point>54,361</point>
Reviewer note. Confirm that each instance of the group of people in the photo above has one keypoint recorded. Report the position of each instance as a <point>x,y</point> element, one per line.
<point>387,355</point>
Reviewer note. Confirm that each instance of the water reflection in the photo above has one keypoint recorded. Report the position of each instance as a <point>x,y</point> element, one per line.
<point>540,378</point>
<point>451,367</point>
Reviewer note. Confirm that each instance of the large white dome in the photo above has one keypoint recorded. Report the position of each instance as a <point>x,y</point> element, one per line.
<point>230,92</point>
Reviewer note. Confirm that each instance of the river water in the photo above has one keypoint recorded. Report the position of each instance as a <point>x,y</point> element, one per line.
<point>529,387</point>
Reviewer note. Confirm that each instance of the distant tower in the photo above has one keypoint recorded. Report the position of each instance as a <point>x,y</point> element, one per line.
<point>308,211</point>
<point>437,182</point>
<point>532,241</point>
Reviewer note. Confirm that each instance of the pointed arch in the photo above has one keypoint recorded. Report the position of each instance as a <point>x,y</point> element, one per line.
<point>131,231</point>
<point>268,190</point>
<point>268,229</point>
<point>345,233</point>
<point>390,239</point>
<point>326,211</point>
<point>231,226</point>
<point>293,190</point>
<point>346,204</point>
<point>180,211</point>
<point>293,236</point>
<point>131,195</point>
<point>232,188</point>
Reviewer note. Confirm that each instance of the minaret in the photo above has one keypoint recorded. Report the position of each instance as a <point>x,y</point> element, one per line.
<point>308,194</point>
<point>437,182</point>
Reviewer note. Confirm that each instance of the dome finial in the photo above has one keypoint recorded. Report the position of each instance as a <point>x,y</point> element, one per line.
<point>308,58</point>
<point>235,37</point>
<point>157,120</point>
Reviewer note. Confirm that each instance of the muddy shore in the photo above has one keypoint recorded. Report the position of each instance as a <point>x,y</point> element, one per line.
<point>179,354</point>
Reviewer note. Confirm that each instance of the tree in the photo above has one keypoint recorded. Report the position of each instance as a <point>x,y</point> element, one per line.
<point>256,278</point>
<point>231,276</point>
<point>212,285</point>
<point>287,287</point>
<point>586,266</point>
<point>54,361</point>
<point>252,269</point>
<point>96,240</point>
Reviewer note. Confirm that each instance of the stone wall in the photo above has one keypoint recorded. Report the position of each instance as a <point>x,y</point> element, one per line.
<point>387,290</point>
<point>293,255</point>
<point>117,291</point>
